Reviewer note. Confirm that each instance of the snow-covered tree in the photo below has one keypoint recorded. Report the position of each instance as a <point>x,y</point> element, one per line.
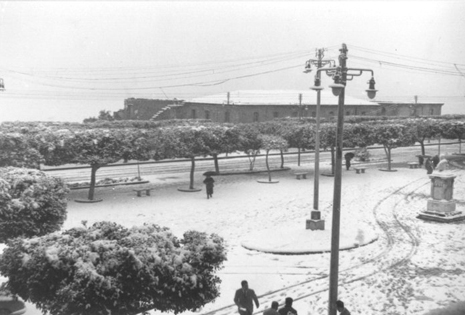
<point>16,150</point>
<point>31,203</point>
<point>454,129</point>
<point>109,269</point>
<point>272,142</point>
<point>392,136</point>
<point>250,142</point>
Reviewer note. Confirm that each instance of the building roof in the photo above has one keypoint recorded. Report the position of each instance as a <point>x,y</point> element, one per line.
<point>277,97</point>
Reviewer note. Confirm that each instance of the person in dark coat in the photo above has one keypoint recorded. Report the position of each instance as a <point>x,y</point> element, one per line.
<point>287,309</point>
<point>341,309</point>
<point>273,310</point>
<point>435,160</point>
<point>348,156</point>
<point>208,181</point>
<point>429,166</point>
<point>244,299</point>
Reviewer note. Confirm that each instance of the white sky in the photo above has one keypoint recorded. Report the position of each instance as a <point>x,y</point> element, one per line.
<point>66,60</point>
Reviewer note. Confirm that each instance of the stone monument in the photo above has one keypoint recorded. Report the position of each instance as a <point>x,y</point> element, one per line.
<point>441,207</point>
<point>315,222</point>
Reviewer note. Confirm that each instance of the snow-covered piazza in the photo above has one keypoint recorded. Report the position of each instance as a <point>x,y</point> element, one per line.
<point>395,263</point>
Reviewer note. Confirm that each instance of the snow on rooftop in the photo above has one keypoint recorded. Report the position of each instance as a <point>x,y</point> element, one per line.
<point>276,97</point>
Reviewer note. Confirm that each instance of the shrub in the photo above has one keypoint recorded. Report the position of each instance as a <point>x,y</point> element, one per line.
<point>32,203</point>
<point>109,269</point>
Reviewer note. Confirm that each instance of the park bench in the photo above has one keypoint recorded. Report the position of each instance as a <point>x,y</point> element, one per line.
<point>140,190</point>
<point>360,169</point>
<point>413,164</point>
<point>298,175</point>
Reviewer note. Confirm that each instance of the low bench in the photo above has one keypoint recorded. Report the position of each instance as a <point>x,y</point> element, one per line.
<point>140,190</point>
<point>298,175</point>
<point>413,164</point>
<point>359,170</point>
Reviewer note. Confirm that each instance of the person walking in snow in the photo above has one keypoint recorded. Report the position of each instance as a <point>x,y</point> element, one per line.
<point>287,309</point>
<point>208,181</point>
<point>273,310</point>
<point>348,156</point>
<point>341,309</point>
<point>244,299</point>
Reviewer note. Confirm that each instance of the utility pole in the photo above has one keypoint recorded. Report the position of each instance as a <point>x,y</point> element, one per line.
<point>318,63</point>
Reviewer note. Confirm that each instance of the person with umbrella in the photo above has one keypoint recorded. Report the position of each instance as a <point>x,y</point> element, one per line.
<point>348,156</point>
<point>209,183</point>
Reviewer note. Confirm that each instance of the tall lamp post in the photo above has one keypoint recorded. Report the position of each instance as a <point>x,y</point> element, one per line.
<point>318,63</point>
<point>340,75</point>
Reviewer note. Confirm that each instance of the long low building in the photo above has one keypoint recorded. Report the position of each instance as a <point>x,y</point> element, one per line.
<point>246,106</point>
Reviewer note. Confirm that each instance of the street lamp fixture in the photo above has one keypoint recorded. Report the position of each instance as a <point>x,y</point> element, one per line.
<point>371,89</point>
<point>308,67</point>
<point>317,86</point>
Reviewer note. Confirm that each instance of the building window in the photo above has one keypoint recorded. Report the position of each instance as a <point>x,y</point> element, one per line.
<point>363,113</point>
<point>226,117</point>
<point>431,111</point>
<point>348,113</point>
<point>275,114</point>
<point>313,114</point>
<point>255,116</point>
<point>331,113</point>
<point>294,114</point>
<point>207,114</point>
<point>193,114</point>
<point>383,111</point>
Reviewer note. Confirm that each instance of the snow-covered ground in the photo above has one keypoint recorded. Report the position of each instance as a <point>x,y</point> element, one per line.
<point>411,267</point>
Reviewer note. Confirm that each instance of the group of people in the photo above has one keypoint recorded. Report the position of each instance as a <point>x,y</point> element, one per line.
<point>246,297</point>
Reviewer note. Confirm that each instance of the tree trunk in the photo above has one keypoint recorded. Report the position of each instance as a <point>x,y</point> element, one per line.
<point>389,157</point>
<point>268,166</point>
<point>332,160</point>
<point>298,157</point>
<point>282,159</point>
<point>191,183</point>
<point>217,168</point>
<point>251,160</point>
<point>460,146</point>
<point>422,144</point>
<point>94,168</point>
<point>439,147</point>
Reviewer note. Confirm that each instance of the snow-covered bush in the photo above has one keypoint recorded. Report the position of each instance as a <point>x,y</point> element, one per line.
<point>32,203</point>
<point>110,269</point>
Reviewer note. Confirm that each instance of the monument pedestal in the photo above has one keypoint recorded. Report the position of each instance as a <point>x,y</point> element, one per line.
<point>446,206</point>
<point>315,222</point>
<point>441,207</point>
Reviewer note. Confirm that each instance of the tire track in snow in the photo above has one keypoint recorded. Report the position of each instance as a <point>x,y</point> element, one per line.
<point>399,240</point>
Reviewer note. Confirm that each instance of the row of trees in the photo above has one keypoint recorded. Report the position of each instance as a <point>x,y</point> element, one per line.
<point>32,145</point>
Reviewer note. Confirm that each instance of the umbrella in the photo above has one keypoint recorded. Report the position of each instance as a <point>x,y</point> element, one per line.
<point>209,173</point>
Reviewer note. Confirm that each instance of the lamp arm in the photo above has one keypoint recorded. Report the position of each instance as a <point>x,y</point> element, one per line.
<point>360,70</point>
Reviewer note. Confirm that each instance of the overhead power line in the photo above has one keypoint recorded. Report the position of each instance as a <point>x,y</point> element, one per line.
<point>399,56</point>
<point>409,67</point>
